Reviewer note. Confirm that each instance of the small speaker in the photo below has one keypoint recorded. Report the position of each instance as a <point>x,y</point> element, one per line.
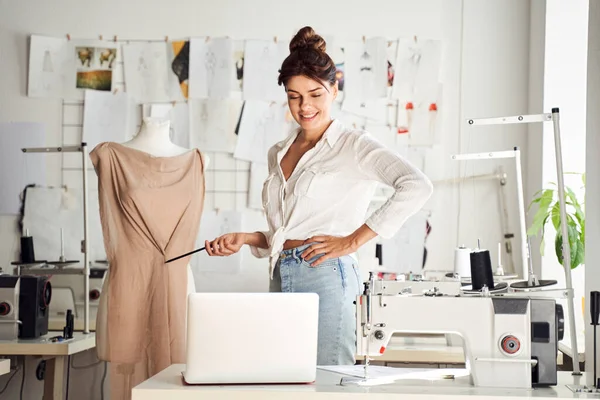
<point>36,293</point>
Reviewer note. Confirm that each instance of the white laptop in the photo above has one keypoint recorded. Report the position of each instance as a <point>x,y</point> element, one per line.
<point>251,338</point>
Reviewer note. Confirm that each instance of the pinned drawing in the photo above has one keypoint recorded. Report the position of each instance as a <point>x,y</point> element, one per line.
<point>146,73</point>
<point>105,117</point>
<point>417,68</point>
<point>94,66</point>
<point>366,70</point>
<point>212,124</point>
<point>48,59</point>
<point>405,251</point>
<point>263,124</point>
<point>238,62</point>
<point>181,64</point>
<point>419,119</point>
<point>211,68</point>
<point>263,59</point>
<point>258,175</point>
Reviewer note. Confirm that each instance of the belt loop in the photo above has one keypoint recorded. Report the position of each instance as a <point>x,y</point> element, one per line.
<point>295,254</point>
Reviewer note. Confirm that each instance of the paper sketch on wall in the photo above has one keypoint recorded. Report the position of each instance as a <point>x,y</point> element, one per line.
<point>237,76</point>
<point>262,61</point>
<point>181,64</point>
<point>212,225</point>
<point>335,50</point>
<point>419,120</point>
<point>48,66</point>
<point>417,68</point>
<point>212,124</point>
<point>105,117</point>
<point>404,252</point>
<point>263,124</point>
<point>94,66</point>
<point>47,210</point>
<point>178,116</point>
<point>211,68</point>
<point>366,71</point>
<point>18,169</point>
<point>258,175</point>
<point>147,75</point>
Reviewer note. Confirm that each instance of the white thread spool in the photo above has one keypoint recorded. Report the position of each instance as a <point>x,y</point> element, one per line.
<point>462,262</point>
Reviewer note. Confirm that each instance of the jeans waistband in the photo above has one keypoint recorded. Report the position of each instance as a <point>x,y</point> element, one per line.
<point>294,253</point>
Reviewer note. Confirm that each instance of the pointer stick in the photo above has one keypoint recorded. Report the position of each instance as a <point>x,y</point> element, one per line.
<point>184,255</point>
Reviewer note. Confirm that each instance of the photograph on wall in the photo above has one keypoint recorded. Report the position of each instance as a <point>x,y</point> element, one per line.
<point>181,64</point>
<point>94,67</point>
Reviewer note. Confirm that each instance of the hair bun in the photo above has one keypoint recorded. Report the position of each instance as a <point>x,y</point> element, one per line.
<point>306,38</point>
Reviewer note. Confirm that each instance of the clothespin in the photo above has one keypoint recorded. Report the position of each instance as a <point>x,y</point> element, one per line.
<point>354,125</point>
<point>101,37</point>
<point>207,39</point>
<point>364,39</point>
<point>390,43</point>
<point>68,36</point>
<point>275,39</point>
<point>115,91</point>
<point>166,38</point>
<point>217,210</point>
<point>415,38</point>
<point>115,39</point>
<point>173,103</point>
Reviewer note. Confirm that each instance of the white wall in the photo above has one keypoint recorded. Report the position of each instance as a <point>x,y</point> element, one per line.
<point>487,66</point>
<point>565,87</point>
<point>592,195</point>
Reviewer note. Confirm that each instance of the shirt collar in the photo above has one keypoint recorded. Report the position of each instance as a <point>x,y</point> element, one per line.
<point>331,134</point>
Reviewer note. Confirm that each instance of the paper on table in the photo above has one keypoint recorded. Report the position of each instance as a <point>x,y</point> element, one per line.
<point>105,117</point>
<point>417,68</point>
<point>18,169</point>
<point>262,61</point>
<point>212,225</point>
<point>263,124</point>
<point>47,210</point>
<point>48,61</point>
<point>258,175</point>
<point>366,70</point>
<point>146,73</point>
<point>380,372</point>
<point>212,124</point>
<point>211,68</point>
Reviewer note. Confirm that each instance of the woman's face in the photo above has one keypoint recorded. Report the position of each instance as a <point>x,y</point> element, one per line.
<point>310,101</point>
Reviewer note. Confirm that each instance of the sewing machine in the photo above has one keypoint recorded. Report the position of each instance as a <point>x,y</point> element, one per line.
<point>509,341</point>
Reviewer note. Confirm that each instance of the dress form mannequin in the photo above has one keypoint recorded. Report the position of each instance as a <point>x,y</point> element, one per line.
<point>154,140</point>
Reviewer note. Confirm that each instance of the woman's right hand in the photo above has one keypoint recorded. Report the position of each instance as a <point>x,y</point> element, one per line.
<point>225,245</point>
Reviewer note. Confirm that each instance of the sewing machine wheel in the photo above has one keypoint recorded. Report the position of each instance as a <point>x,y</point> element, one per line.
<point>526,285</point>
<point>501,286</point>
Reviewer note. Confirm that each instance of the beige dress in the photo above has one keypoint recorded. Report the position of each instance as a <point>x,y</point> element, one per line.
<point>150,209</point>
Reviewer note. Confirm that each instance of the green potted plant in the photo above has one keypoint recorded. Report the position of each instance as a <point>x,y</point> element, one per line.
<point>549,211</point>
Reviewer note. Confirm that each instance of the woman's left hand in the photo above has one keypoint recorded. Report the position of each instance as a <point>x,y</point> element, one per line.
<point>328,247</point>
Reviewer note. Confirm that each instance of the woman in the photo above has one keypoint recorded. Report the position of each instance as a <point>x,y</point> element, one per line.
<point>321,181</point>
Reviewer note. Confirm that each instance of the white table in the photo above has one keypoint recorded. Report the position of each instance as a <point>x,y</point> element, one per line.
<point>55,354</point>
<point>169,384</point>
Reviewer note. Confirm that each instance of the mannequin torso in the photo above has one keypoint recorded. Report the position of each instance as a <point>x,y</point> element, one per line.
<point>154,139</point>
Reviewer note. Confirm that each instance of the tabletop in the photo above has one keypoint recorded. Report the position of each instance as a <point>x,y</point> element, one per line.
<point>43,346</point>
<point>169,384</point>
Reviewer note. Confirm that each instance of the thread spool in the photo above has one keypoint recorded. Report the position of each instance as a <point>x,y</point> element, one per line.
<point>462,262</point>
<point>27,253</point>
<point>481,270</point>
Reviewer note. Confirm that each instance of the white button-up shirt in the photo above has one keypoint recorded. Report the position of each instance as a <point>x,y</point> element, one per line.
<point>330,190</point>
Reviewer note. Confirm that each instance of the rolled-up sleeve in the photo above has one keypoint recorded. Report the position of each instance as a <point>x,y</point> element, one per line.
<point>262,253</point>
<point>411,186</point>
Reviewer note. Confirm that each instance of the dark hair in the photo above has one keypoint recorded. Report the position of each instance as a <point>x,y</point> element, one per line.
<point>308,58</point>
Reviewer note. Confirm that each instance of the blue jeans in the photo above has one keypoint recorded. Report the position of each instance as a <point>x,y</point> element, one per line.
<point>337,283</point>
